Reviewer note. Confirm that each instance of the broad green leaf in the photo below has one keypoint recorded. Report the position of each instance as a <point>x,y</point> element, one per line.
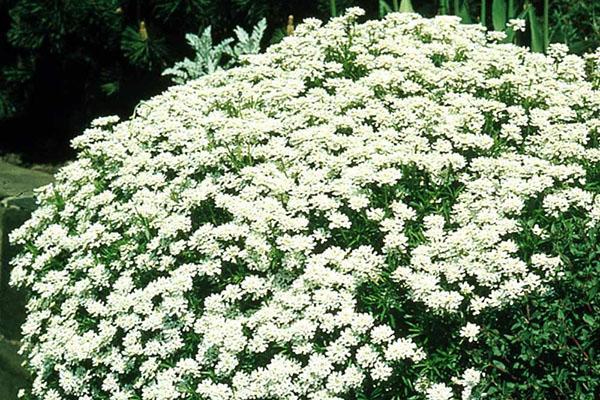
<point>511,10</point>
<point>499,14</point>
<point>464,14</point>
<point>444,7</point>
<point>483,15</point>
<point>537,35</point>
<point>499,365</point>
<point>406,6</point>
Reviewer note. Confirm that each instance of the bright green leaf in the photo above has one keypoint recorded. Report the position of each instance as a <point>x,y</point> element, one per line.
<point>537,36</point>
<point>499,14</point>
<point>406,6</point>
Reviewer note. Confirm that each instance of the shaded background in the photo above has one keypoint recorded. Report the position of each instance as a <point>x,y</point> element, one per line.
<point>65,62</point>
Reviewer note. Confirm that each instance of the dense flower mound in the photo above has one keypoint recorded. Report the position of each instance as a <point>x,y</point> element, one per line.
<point>311,224</point>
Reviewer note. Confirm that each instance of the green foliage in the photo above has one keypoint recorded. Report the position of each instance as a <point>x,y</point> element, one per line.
<point>402,6</point>
<point>39,29</point>
<point>499,16</point>
<point>142,50</point>
<point>576,23</point>
<point>464,13</point>
<point>547,347</point>
<point>537,39</point>
<point>544,347</point>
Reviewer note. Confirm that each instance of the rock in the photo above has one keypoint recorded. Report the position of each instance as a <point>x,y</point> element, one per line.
<point>10,360</point>
<point>16,181</point>
<point>25,202</point>
<point>12,303</point>
<point>16,204</point>
<point>12,376</point>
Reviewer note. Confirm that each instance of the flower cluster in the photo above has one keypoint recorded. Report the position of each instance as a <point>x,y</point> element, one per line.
<point>215,246</point>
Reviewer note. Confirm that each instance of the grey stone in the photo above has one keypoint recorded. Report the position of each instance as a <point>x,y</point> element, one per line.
<point>16,181</point>
<point>10,358</point>
<point>24,202</point>
<point>12,375</point>
<point>12,302</point>
<point>16,204</point>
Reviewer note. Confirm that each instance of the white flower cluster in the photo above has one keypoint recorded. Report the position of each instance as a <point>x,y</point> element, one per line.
<point>215,245</point>
<point>517,24</point>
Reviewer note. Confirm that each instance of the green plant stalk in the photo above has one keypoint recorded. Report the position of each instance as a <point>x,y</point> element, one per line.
<point>536,31</point>
<point>463,13</point>
<point>482,17</point>
<point>546,25</point>
<point>511,9</point>
<point>333,8</point>
<point>456,7</point>
<point>395,5</point>
<point>444,6</point>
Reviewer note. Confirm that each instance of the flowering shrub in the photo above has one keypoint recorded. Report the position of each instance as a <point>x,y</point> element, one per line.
<point>321,223</point>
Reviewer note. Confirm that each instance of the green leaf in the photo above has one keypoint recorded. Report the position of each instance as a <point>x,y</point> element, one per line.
<point>110,88</point>
<point>589,319</point>
<point>406,7</point>
<point>333,8</point>
<point>537,34</point>
<point>444,7</point>
<point>384,8</point>
<point>499,14</point>
<point>499,365</point>
<point>464,14</point>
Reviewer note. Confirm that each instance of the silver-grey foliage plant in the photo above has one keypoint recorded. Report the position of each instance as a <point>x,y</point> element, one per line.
<point>209,57</point>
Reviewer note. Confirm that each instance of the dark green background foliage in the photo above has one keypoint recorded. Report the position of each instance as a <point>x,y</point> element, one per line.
<point>64,62</point>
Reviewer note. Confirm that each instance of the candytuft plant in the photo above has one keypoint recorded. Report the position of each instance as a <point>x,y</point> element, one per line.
<point>342,217</point>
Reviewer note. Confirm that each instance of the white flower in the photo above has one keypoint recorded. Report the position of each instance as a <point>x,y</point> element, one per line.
<point>105,121</point>
<point>381,371</point>
<point>439,391</point>
<point>470,331</point>
<point>382,334</point>
<point>516,24</point>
